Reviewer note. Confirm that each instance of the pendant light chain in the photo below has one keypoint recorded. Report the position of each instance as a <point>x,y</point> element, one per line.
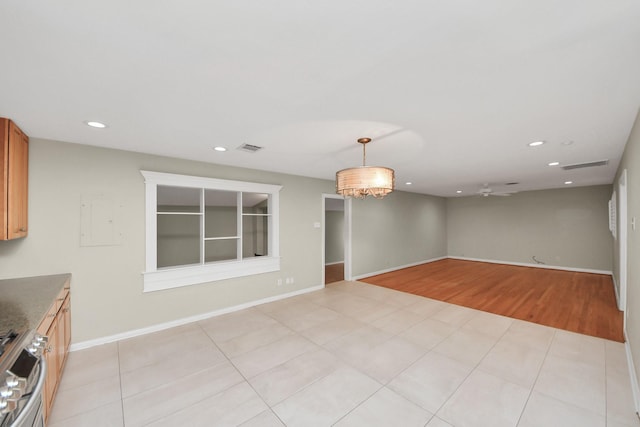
<point>364,154</point>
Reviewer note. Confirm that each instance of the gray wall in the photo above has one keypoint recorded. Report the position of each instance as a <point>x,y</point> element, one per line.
<point>403,228</point>
<point>566,227</point>
<point>631,162</point>
<point>107,295</point>
<point>106,287</point>
<point>334,237</point>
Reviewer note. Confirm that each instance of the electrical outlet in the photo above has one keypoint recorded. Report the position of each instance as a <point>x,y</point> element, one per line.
<point>292,281</point>
<point>279,282</point>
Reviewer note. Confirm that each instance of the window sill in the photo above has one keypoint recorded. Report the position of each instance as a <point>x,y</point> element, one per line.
<point>184,276</point>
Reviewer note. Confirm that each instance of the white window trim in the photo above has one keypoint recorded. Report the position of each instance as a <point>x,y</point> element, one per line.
<point>167,278</point>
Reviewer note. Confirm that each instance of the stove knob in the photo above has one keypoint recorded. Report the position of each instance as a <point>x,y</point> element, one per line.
<point>7,406</point>
<point>40,339</point>
<point>12,381</point>
<point>36,348</point>
<point>10,393</point>
<point>5,392</point>
<point>17,383</point>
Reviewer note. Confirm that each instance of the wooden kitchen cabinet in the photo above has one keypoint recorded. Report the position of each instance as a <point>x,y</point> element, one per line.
<point>56,325</point>
<point>66,327</point>
<point>51,356</point>
<point>14,164</point>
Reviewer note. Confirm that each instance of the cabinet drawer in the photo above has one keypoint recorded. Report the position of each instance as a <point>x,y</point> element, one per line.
<point>43,329</point>
<point>61,297</point>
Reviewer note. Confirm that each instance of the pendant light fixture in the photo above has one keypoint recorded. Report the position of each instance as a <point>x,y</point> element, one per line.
<point>363,181</point>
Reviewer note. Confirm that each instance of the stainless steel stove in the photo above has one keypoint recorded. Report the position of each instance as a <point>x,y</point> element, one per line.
<point>22,375</point>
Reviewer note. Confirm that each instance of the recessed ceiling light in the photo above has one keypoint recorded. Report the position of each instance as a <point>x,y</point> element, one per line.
<point>94,124</point>
<point>568,182</point>
<point>554,163</point>
<point>535,143</point>
<point>219,148</point>
<point>458,191</point>
<point>408,183</point>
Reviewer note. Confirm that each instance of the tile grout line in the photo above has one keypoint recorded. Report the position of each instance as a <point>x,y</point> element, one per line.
<point>408,366</point>
<point>474,368</point>
<point>86,411</point>
<point>246,380</point>
<point>606,397</point>
<point>416,361</point>
<point>120,384</point>
<point>564,358</point>
<point>364,373</point>
<point>359,404</point>
<point>297,333</point>
<point>346,363</point>
<point>533,386</point>
<point>193,373</point>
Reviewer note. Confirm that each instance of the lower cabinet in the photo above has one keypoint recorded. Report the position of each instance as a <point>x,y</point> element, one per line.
<point>57,327</point>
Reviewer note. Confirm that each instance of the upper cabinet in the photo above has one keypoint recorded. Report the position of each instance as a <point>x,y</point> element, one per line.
<point>14,164</point>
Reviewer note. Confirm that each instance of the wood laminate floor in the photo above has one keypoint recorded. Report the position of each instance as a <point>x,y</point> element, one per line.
<point>333,273</point>
<point>578,302</point>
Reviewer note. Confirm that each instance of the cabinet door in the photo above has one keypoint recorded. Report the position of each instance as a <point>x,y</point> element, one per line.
<point>18,175</point>
<point>51,358</point>
<point>4,176</point>
<point>64,326</point>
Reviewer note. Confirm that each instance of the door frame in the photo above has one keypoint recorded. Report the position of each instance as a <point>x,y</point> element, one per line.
<point>622,244</point>
<point>346,236</point>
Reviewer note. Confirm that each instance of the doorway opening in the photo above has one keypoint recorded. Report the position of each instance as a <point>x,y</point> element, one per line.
<point>336,238</point>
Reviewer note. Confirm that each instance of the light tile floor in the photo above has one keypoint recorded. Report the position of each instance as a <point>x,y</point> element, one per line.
<point>351,354</point>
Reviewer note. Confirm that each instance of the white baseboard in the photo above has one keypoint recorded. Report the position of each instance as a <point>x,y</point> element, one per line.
<point>162,326</point>
<point>635,388</point>
<point>492,261</point>
<point>334,263</point>
<point>388,270</point>
<point>526,264</point>
<point>615,290</point>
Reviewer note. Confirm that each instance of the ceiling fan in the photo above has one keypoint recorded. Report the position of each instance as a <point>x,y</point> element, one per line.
<point>486,191</point>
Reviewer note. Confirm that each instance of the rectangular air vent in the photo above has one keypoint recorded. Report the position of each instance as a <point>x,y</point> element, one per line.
<point>249,148</point>
<point>585,165</point>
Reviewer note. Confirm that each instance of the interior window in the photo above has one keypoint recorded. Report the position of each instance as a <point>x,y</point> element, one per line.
<point>205,229</point>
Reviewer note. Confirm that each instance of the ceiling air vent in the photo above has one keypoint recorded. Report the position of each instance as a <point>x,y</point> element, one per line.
<point>585,165</point>
<point>249,148</point>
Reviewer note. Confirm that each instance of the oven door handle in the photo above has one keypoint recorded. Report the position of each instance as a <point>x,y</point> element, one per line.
<point>36,395</point>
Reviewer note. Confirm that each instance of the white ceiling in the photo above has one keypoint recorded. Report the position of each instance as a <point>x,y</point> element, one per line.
<point>450,91</point>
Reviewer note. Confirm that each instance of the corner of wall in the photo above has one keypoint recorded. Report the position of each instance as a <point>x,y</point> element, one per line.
<point>633,377</point>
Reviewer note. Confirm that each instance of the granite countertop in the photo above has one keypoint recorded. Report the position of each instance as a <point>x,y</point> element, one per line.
<point>25,301</point>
